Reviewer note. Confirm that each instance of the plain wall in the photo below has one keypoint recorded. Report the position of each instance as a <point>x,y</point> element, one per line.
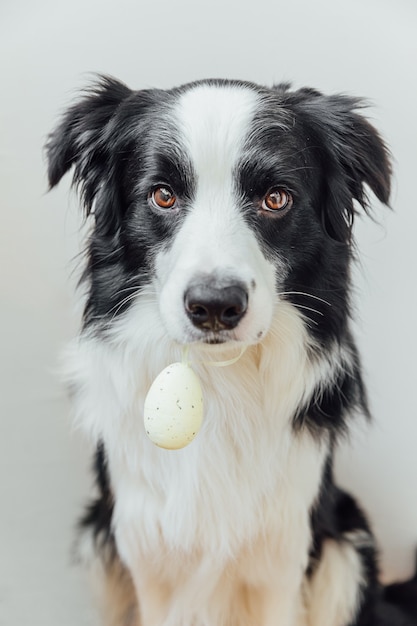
<point>47,49</point>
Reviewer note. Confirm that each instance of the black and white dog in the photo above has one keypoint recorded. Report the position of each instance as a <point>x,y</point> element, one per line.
<point>221,217</point>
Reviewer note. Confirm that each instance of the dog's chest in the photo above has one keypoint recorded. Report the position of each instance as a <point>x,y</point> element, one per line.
<point>246,475</point>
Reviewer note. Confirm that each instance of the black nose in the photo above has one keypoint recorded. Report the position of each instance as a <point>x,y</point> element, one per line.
<point>216,308</point>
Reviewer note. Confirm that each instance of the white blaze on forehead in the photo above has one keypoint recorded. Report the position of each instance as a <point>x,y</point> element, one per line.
<point>214,239</point>
<point>214,123</point>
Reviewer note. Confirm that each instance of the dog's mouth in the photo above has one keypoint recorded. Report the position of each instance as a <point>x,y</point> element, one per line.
<point>225,338</point>
<point>215,350</point>
<point>213,338</point>
<point>216,339</point>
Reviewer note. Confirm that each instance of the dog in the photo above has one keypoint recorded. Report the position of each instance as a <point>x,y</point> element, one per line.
<point>221,218</point>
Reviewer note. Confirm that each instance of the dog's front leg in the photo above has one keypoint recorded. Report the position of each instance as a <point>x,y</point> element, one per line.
<point>281,605</point>
<point>153,599</point>
<point>198,598</point>
<point>274,578</point>
<point>279,599</point>
<point>152,594</point>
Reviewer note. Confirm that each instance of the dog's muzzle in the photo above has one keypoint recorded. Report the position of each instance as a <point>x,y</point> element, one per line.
<point>214,307</point>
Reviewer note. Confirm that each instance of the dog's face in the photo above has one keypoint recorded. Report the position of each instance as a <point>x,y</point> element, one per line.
<point>224,197</point>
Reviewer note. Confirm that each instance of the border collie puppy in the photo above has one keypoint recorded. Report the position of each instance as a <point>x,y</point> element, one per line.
<point>221,216</point>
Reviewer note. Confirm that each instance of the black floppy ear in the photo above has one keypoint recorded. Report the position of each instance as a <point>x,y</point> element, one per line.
<point>353,156</point>
<point>84,139</point>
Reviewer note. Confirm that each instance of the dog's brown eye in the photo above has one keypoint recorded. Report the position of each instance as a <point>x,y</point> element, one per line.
<point>163,198</point>
<point>277,200</point>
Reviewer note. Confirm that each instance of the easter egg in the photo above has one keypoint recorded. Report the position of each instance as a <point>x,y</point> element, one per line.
<point>173,410</point>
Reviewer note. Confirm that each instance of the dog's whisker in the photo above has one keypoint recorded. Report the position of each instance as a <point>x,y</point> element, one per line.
<point>303,293</point>
<point>121,304</point>
<point>307,308</point>
<point>133,288</point>
<point>137,289</point>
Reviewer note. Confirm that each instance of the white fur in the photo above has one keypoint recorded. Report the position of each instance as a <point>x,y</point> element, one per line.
<point>216,534</point>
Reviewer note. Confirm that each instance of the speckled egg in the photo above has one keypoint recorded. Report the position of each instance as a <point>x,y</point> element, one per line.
<point>173,411</point>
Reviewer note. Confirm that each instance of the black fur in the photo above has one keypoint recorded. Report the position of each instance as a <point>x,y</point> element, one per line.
<point>99,513</point>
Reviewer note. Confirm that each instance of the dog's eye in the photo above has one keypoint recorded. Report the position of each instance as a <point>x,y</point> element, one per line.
<point>163,197</point>
<point>277,200</point>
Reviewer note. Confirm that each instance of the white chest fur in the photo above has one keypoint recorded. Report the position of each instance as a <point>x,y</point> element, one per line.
<point>228,512</point>
<point>240,492</point>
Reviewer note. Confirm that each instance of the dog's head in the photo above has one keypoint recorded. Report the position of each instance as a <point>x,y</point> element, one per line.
<point>227,198</point>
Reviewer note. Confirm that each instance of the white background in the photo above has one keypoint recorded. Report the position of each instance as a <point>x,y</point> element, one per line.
<point>47,48</point>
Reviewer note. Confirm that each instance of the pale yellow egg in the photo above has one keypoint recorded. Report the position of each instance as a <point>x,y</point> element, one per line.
<point>173,411</point>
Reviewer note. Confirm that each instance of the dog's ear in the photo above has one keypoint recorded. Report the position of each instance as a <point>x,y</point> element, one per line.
<point>352,154</point>
<point>85,139</point>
